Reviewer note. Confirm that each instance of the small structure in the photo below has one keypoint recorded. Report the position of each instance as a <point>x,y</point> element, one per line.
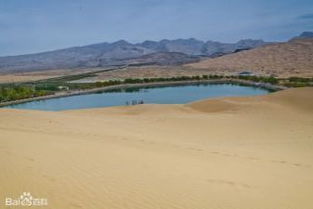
<point>246,73</point>
<point>66,88</point>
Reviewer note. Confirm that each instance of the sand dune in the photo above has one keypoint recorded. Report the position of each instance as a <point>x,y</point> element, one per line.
<point>253,152</point>
<point>293,58</point>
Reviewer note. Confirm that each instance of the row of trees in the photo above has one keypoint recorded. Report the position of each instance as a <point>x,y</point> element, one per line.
<point>271,80</point>
<point>11,93</point>
<point>263,79</point>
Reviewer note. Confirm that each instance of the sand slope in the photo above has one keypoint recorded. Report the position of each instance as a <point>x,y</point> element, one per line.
<point>293,58</point>
<point>240,153</point>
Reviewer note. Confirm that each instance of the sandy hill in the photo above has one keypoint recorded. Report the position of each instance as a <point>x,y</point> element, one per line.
<point>294,58</point>
<point>248,152</point>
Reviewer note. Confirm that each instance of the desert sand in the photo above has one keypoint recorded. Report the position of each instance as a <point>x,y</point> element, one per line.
<point>16,77</point>
<point>293,58</point>
<point>240,153</point>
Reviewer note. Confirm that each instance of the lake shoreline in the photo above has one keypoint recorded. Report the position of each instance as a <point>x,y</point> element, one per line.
<point>267,86</point>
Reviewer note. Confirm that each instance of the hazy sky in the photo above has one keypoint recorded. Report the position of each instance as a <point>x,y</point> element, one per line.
<point>28,26</point>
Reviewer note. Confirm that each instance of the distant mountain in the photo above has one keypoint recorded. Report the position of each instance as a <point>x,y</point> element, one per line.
<point>306,34</point>
<point>187,46</point>
<point>163,58</point>
<point>200,48</point>
<point>164,52</point>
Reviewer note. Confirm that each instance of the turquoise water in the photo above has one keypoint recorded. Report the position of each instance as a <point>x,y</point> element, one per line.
<point>179,94</point>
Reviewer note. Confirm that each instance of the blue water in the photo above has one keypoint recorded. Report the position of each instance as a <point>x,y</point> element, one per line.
<point>179,94</point>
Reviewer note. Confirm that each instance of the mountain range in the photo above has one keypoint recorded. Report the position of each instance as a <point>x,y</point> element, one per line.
<point>304,35</point>
<point>164,52</point>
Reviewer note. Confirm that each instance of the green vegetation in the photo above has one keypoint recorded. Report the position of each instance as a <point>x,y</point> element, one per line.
<point>297,82</point>
<point>270,79</point>
<point>19,92</point>
<point>11,92</point>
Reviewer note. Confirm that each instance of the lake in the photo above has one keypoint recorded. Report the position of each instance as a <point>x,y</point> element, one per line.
<point>177,94</point>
